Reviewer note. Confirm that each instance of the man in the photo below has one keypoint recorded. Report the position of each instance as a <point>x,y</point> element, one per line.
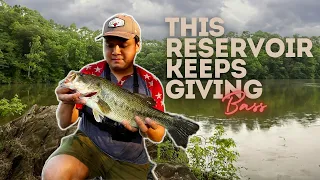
<point>108,149</point>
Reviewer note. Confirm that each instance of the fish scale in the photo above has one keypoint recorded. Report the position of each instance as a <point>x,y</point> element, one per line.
<point>129,114</point>
<point>119,104</point>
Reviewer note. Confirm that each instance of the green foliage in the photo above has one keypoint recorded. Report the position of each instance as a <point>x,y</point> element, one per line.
<point>34,49</point>
<point>213,157</point>
<point>167,152</point>
<point>14,106</point>
<point>208,158</point>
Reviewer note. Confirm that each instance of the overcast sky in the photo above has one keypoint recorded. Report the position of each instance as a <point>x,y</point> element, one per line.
<point>285,17</point>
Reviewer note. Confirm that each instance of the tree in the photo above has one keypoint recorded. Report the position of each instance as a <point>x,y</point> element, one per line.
<point>36,56</point>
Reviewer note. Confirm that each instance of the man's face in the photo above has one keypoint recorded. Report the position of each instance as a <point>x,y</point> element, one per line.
<point>120,52</point>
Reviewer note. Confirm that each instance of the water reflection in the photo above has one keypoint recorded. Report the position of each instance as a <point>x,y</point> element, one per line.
<point>305,120</point>
<point>282,148</point>
<point>280,143</point>
<point>288,151</point>
<point>285,99</point>
<point>30,94</point>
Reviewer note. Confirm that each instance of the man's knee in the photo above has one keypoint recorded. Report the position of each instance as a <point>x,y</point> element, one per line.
<point>64,167</point>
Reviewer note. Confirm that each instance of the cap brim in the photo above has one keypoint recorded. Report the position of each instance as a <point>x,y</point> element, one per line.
<point>98,37</point>
<point>125,35</point>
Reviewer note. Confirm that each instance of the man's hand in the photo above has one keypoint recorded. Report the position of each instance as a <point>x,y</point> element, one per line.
<point>153,130</point>
<point>67,113</point>
<point>68,96</point>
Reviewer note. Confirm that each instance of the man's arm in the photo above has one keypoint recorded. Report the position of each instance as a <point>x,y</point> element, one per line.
<point>67,114</point>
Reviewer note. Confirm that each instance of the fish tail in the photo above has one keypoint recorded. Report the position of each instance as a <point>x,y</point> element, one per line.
<point>180,130</point>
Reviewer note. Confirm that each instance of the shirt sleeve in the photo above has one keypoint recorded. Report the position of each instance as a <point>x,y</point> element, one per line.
<point>157,95</point>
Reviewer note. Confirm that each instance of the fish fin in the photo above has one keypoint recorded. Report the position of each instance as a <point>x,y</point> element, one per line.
<point>97,115</point>
<point>103,106</point>
<point>180,130</point>
<point>148,99</point>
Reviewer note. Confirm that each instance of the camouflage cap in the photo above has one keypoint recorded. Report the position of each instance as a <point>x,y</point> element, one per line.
<point>121,25</point>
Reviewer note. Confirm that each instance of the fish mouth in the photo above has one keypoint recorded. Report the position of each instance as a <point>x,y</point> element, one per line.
<point>89,94</point>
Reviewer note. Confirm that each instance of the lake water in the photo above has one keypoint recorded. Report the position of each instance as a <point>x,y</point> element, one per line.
<point>280,143</point>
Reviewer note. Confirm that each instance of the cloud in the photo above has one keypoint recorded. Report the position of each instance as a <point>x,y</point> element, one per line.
<point>285,17</point>
<point>311,30</point>
<point>237,13</point>
<point>150,14</point>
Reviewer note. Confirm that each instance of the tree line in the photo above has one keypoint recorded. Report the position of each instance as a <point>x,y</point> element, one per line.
<point>34,49</point>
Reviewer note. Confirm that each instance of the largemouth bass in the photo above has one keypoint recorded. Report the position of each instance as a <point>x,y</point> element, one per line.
<point>110,100</point>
